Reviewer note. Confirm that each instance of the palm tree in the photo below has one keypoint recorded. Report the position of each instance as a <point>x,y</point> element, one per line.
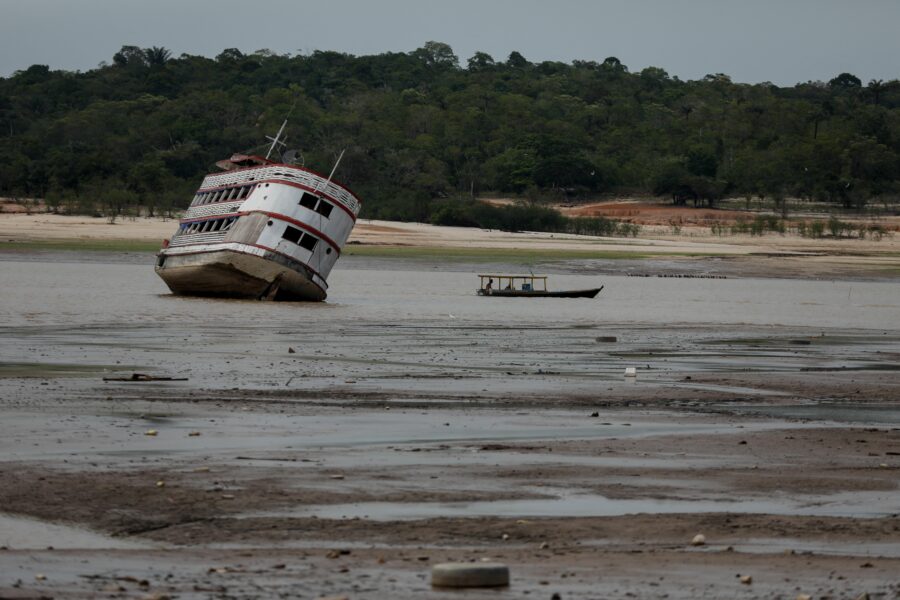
<point>876,86</point>
<point>157,55</point>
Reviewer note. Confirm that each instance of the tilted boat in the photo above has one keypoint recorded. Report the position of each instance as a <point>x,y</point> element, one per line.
<point>260,229</point>
<point>527,286</point>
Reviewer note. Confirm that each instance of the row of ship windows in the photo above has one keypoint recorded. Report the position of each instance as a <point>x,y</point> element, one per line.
<point>234,193</point>
<point>207,226</point>
<point>307,200</point>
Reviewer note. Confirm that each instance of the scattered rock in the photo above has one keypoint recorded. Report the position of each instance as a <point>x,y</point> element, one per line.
<point>337,476</point>
<point>746,579</point>
<point>467,575</point>
<point>803,597</point>
<point>333,598</point>
<point>291,350</point>
<point>160,483</point>
<point>193,434</point>
<point>40,577</point>
<point>698,540</point>
<point>151,432</point>
<point>863,596</point>
<point>595,414</point>
<point>607,338</point>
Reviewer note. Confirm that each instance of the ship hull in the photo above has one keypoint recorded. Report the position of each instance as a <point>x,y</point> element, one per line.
<point>233,274</point>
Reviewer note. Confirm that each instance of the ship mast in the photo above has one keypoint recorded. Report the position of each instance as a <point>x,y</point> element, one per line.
<point>276,141</point>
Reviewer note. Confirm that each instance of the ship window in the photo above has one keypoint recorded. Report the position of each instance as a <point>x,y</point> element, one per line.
<point>308,242</point>
<point>308,200</point>
<point>324,209</point>
<point>292,234</point>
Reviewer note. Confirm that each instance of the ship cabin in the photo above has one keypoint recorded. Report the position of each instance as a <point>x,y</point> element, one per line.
<point>525,283</point>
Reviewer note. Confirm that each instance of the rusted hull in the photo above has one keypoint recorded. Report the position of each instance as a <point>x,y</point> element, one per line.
<point>231,274</point>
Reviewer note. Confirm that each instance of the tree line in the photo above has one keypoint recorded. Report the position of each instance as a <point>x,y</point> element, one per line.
<point>425,134</point>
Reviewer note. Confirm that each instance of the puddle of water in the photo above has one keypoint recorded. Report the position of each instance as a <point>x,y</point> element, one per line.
<point>122,436</point>
<point>874,414</point>
<point>857,505</point>
<point>22,533</point>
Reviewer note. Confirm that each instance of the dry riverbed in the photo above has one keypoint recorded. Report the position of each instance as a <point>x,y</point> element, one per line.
<point>343,448</point>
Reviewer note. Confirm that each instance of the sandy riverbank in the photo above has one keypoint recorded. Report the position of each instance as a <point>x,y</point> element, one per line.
<point>693,249</point>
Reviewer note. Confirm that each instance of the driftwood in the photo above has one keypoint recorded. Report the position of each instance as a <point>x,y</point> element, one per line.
<point>144,377</point>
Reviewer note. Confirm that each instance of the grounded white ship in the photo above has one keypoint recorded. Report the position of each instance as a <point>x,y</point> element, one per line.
<point>259,229</point>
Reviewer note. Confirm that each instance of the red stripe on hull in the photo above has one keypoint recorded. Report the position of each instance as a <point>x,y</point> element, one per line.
<point>299,224</point>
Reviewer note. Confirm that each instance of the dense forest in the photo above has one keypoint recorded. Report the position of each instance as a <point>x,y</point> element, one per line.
<point>425,134</point>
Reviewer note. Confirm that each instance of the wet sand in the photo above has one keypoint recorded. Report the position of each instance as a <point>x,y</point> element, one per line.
<point>343,448</point>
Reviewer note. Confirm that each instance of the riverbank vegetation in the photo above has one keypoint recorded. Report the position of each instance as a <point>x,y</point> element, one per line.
<point>425,134</point>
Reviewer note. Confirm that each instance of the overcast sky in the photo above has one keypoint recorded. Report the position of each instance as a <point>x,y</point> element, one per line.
<point>782,41</point>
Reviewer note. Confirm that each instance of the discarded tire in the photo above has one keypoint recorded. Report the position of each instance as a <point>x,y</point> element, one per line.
<point>467,575</point>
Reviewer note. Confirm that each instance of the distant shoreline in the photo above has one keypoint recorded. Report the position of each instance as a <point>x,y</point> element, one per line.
<point>770,254</point>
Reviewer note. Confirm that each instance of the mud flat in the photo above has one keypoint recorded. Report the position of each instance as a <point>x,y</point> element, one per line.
<point>343,448</point>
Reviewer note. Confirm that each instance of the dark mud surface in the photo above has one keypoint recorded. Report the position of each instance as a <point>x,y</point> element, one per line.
<point>344,448</point>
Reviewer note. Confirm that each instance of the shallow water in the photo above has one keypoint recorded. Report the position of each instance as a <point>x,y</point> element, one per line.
<point>414,329</point>
<point>858,505</point>
<point>95,293</point>
<point>21,533</point>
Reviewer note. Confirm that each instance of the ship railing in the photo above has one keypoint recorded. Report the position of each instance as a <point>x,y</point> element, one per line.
<point>304,178</point>
<point>212,210</point>
<point>197,238</point>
